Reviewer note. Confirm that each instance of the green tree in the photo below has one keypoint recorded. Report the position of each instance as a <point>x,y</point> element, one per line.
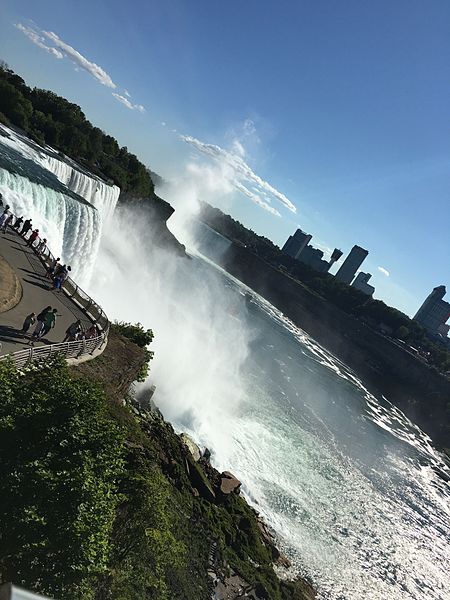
<point>60,461</point>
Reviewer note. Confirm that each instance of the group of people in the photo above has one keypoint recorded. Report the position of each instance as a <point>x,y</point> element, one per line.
<point>57,272</point>
<point>46,320</point>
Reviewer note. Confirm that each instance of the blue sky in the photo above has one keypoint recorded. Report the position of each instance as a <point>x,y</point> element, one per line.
<point>337,108</point>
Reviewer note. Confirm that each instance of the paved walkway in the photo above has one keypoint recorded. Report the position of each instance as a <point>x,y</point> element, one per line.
<point>36,296</point>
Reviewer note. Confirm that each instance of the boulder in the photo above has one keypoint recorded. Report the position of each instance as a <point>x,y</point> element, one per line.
<point>229,483</point>
<point>191,446</point>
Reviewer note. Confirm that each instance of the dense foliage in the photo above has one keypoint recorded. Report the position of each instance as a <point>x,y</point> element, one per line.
<point>347,298</point>
<point>60,462</point>
<point>139,336</point>
<point>50,119</point>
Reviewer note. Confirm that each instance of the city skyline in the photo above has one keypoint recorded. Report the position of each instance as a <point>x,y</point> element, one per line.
<point>276,134</point>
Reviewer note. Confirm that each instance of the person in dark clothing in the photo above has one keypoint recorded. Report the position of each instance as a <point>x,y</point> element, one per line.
<point>18,223</point>
<point>26,227</point>
<point>49,321</point>
<point>73,331</point>
<point>29,321</point>
<point>40,324</point>
<point>33,237</point>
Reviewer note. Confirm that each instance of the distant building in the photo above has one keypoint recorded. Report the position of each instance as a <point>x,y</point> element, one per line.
<point>336,255</point>
<point>296,243</point>
<point>434,312</point>
<point>313,258</point>
<point>360,283</point>
<point>351,264</point>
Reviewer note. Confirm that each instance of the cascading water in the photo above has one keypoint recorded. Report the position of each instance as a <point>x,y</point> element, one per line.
<point>68,205</point>
<point>348,483</point>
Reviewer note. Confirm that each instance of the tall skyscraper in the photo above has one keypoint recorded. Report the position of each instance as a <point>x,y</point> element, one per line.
<point>434,312</point>
<point>296,243</point>
<point>361,283</point>
<point>351,264</point>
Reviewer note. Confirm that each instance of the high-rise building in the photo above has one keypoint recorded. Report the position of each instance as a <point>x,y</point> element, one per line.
<point>296,243</point>
<point>351,264</point>
<point>361,283</point>
<point>313,258</point>
<point>434,312</point>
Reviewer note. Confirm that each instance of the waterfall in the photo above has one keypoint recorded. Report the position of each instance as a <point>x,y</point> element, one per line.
<point>69,205</point>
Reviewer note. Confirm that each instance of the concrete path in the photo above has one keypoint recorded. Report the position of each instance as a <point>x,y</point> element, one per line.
<point>36,296</point>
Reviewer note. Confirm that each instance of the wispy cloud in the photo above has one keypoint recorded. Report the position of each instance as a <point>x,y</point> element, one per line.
<point>59,49</point>
<point>242,172</point>
<point>384,271</point>
<point>39,40</point>
<point>127,102</point>
<point>256,198</point>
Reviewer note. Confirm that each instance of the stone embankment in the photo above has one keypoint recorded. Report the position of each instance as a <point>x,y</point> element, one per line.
<point>10,286</point>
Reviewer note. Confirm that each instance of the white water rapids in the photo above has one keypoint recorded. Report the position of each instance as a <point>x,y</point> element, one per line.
<point>347,482</point>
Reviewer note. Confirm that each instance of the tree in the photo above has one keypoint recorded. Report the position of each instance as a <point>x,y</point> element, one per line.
<point>60,460</point>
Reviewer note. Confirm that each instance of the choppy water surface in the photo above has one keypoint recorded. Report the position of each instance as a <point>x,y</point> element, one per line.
<point>346,481</point>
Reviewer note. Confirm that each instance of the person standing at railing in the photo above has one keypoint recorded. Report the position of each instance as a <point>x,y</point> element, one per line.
<point>4,217</point>
<point>26,227</point>
<point>33,237</point>
<point>73,331</point>
<point>7,221</point>
<point>18,224</point>
<point>40,248</point>
<point>54,266</point>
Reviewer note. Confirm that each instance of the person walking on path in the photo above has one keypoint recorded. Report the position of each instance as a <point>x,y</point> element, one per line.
<point>26,227</point>
<point>40,324</point>
<point>33,237</point>
<point>73,331</point>
<point>3,218</point>
<point>29,321</point>
<point>49,322</point>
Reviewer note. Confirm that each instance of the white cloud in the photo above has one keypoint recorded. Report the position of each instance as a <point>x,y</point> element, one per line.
<point>163,123</point>
<point>126,102</point>
<point>39,40</point>
<point>256,198</point>
<point>241,170</point>
<point>384,271</point>
<point>80,61</point>
<point>127,93</point>
<point>61,49</point>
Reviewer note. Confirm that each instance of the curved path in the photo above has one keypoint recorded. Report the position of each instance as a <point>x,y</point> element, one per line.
<point>36,296</point>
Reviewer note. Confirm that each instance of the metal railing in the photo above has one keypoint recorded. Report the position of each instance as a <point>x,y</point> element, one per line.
<point>69,350</point>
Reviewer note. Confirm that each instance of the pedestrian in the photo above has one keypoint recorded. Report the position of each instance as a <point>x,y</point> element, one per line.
<point>1,199</point>
<point>73,331</point>
<point>3,218</point>
<point>33,237</point>
<point>40,324</point>
<point>7,222</point>
<point>92,332</point>
<point>29,321</point>
<point>18,223</point>
<point>49,321</point>
<point>40,248</point>
<point>54,265</point>
<point>26,227</point>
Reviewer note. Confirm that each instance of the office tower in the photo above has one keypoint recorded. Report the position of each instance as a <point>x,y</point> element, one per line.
<point>296,243</point>
<point>361,283</point>
<point>434,312</point>
<point>313,258</point>
<point>351,264</point>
